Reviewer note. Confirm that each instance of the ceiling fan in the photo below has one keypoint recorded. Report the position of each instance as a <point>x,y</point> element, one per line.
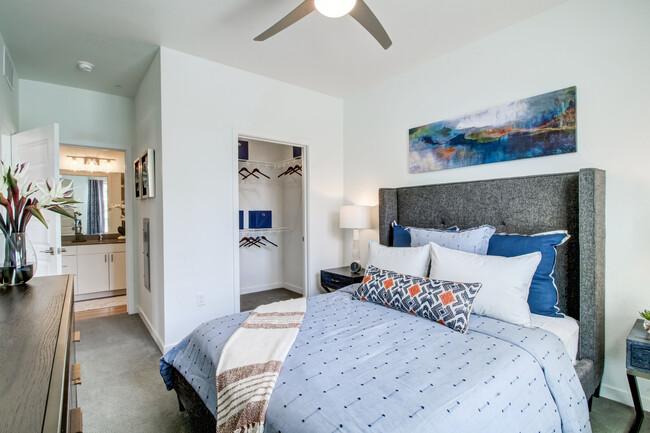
<point>357,9</point>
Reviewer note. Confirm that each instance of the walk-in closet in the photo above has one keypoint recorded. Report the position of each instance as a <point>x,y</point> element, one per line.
<point>271,222</point>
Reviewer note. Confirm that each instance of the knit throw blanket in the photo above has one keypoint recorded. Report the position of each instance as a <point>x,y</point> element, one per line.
<point>250,364</point>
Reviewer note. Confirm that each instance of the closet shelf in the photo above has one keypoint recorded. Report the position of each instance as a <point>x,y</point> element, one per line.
<point>271,230</point>
<point>278,164</point>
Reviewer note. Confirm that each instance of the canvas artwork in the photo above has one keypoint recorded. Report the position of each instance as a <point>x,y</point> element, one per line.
<point>537,126</point>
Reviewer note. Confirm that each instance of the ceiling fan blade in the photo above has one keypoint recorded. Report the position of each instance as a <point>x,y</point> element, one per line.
<point>304,9</point>
<point>362,13</point>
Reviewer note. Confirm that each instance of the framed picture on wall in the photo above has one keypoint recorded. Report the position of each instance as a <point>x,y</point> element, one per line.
<point>138,181</point>
<point>148,184</point>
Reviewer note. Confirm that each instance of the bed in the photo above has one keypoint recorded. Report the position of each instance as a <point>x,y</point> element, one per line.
<point>357,366</point>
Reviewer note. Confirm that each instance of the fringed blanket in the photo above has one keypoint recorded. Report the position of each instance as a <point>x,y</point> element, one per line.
<point>250,364</point>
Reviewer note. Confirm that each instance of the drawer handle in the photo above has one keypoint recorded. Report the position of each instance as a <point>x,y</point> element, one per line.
<point>76,374</point>
<point>77,336</point>
<point>334,280</point>
<point>76,420</point>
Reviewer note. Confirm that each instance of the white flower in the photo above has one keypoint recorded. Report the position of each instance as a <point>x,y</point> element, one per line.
<point>52,192</point>
<point>27,188</point>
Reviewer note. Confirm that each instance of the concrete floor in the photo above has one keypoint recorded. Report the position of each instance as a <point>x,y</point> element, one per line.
<point>608,416</point>
<point>254,300</point>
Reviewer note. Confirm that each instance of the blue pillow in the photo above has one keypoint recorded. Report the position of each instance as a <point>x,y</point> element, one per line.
<point>542,297</point>
<point>402,237</point>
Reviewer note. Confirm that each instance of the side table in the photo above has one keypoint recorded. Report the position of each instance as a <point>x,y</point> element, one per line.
<point>337,278</point>
<point>638,365</point>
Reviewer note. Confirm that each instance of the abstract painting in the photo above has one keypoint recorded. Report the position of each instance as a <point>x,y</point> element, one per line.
<point>537,126</point>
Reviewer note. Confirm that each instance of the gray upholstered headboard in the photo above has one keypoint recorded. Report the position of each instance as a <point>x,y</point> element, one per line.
<point>527,205</point>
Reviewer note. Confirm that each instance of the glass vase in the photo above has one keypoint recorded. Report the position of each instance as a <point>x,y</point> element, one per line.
<point>18,260</point>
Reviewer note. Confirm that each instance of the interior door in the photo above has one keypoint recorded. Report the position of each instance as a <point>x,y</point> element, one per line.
<point>40,148</point>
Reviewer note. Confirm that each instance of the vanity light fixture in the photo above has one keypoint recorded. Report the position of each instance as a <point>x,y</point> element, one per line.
<point>92,163</point>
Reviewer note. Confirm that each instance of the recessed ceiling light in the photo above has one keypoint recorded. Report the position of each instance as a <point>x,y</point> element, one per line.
<point>85,66</point>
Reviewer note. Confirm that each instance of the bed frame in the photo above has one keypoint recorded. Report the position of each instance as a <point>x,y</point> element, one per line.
<point>527,205</point>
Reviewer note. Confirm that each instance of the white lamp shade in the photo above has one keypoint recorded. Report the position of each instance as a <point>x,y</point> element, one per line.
<point>355,217</point>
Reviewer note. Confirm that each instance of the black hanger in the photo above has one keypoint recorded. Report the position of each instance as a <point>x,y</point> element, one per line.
<point>291,170</point>
<point>275,245</point>
<point>252,173</point>
<point>244,170</point>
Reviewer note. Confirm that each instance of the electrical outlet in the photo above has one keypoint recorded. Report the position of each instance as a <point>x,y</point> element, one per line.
<point>200,299</point>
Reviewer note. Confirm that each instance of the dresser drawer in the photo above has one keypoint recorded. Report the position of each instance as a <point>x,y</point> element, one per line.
<point>337,281</point>
<point>638,356</point>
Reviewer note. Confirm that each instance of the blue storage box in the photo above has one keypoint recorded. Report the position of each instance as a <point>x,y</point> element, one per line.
<point>242,146</point>
<point>259,219</point>
<point>241,220</point>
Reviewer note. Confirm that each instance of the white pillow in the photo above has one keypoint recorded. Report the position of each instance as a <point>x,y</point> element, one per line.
<point>505,280</point>
<point>404,260</point>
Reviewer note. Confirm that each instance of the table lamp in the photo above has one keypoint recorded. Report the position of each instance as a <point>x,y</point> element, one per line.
<point>355,217</point>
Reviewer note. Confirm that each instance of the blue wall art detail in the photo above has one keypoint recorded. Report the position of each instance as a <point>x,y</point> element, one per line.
<point>537,126</point>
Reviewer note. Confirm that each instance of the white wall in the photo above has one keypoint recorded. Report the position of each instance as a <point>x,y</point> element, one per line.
<point>85,117</point>
<point>8,100</point>
<point>601,47</point>
<point>148,131</point>
<point>89,119</point>
<point>205,105</point>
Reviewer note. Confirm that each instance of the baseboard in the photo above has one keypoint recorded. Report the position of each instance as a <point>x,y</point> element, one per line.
<point>263,287</point>
<point>99,295</point>
<point>621,395</point>
<point>293,288</point>
<point>154,334</point>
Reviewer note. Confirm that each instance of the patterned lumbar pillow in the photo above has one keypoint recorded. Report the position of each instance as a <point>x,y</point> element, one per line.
<point>445,302</point>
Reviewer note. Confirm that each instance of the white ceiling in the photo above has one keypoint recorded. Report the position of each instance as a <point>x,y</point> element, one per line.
<point>333,56</point>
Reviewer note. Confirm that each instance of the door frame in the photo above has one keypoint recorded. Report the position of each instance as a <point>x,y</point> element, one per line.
<point>129,201</point>
<point>306,193</point>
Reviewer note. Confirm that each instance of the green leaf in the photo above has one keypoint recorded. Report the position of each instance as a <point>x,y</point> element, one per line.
<point>65,201</point>
<point>60,211</point>
<point>37,213</point>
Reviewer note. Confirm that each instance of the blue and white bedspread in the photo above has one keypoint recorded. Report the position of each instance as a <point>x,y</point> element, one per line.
<point>357,366</point>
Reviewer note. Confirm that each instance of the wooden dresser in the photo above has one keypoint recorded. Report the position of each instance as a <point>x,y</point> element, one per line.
<point>38,373</point>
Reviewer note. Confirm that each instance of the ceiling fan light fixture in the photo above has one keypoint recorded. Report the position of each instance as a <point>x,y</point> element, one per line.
<point>334,8</point>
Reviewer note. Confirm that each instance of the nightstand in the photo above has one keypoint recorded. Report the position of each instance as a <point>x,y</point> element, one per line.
<point>638,365</point>
<point>337,278</point>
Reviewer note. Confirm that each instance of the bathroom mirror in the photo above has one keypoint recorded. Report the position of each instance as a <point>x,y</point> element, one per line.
<point>97,177</point>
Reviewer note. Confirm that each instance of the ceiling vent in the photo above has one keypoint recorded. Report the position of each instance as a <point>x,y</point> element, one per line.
<point>8,68</point>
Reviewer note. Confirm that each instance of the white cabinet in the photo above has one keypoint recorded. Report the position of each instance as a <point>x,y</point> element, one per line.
<point>117,270</point>
<point>92,272</point>
<point>97,268</point>
<point>69,265</point>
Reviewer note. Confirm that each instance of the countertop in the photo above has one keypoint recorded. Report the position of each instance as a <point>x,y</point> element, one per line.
<point>92,242</point>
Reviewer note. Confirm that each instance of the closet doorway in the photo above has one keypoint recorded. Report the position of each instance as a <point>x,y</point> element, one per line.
<point>272,253</point>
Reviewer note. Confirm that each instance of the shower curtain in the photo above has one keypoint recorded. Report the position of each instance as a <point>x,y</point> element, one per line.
<point>95,206</point>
